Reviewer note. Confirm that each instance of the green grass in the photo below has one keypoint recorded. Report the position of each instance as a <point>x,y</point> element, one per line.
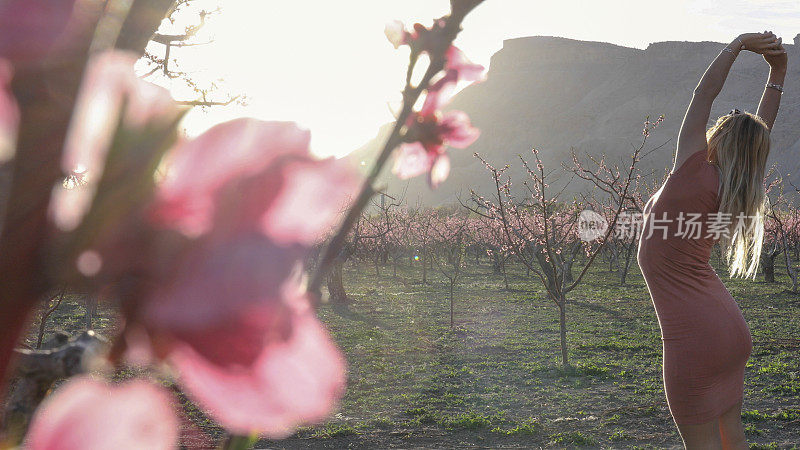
<point>496,380</point>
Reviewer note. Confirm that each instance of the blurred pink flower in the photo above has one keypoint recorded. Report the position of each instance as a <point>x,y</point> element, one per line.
<point>225,299</point>
<point>456,130</point>
<point>230,308</point>
<point>199,169</point>
<point>412,160</point>
<point>428,137</point>
<point>85,414</point>
<point>324,187</point>
<point>294,381</point>
<point>254,210</point>
<point>222,300</point>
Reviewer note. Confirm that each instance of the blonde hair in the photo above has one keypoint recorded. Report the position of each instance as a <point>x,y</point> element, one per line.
<point>739,144</point>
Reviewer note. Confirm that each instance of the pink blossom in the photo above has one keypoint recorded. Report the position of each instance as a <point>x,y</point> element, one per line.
<point>252,201</point>
<point>224,296</point>
<point>323,187</point>
<point>198,169</point>
<point>85,414</point>
<point>456,129</point>
<point>225,299</point>
<point>431,134</point>
<point>295,381</point>
<point>412,159</point>
<point>432,40</point>
<point>232,302</point>
<point>465,69</point>
<point>429,131</point>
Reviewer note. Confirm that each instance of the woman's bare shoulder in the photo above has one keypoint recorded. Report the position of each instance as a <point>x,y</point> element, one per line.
<point>682,157</point>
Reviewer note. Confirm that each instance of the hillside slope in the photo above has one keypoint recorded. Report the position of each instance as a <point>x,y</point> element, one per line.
<point>555,93</point>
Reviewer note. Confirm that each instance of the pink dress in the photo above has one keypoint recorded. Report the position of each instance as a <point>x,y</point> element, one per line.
<point>706,341</point>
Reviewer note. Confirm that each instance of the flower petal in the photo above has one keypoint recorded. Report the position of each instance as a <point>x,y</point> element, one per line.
<point>457,131</point>
<point>466,70</point>
<point>395,31</point>
<point>293,382</point>
<point>412,159</point>
<point>198,168</point>
<point>311,199</point>
<point>438,94</point>
<point>85,414</point>
<point>439,171</point>
<point>226,298</point>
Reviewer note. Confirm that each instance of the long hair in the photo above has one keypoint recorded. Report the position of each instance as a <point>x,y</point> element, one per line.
<point>739,144</point>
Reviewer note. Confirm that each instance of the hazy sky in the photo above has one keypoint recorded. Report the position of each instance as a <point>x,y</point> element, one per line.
<point>328,66</point>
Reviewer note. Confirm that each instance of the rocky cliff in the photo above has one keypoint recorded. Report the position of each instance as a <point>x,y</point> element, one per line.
<point>555,94</point>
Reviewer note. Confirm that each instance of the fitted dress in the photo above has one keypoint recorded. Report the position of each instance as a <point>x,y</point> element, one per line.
<point>706,341</point>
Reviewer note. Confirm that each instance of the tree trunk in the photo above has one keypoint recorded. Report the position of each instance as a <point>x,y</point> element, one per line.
<point>505,275</point>
<point>627,266</point>
<point>495,262</point>
<point>562,306</point>
<point>452,282</point>
<point>789,268</point>
<point>90,303</point>
<point>768,264</point>
<point>335,284</point>
<point>611,258</point>
<point>424,267</point>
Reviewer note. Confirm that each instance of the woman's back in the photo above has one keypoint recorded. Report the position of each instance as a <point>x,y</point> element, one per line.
<point>679,219</point>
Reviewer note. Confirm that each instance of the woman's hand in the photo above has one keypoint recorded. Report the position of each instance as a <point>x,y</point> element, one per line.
<point>761,43</point>
<point>768,45</point>
<point>777,59</point>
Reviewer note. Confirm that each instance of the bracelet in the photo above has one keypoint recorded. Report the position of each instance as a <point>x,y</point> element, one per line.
<point>777,87</point>
<point>741,44</point>
<point>729,50</point>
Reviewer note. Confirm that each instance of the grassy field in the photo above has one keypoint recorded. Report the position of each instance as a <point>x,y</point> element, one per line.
<point>495,380</point>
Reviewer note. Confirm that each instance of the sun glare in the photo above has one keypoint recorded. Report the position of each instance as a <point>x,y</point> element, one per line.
<point>328,67</point>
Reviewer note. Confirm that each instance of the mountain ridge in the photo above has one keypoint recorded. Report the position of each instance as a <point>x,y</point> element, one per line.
<point>556,94</point>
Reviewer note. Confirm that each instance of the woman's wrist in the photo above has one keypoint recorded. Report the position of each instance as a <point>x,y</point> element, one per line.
<point>734,47</point>
<point>738,43</point>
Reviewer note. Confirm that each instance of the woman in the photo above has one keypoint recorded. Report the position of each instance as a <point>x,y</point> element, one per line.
<point>714,193</point>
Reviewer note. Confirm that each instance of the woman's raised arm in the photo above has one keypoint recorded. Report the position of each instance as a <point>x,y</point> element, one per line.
<point>692,136</point>
<point>771,98</point>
